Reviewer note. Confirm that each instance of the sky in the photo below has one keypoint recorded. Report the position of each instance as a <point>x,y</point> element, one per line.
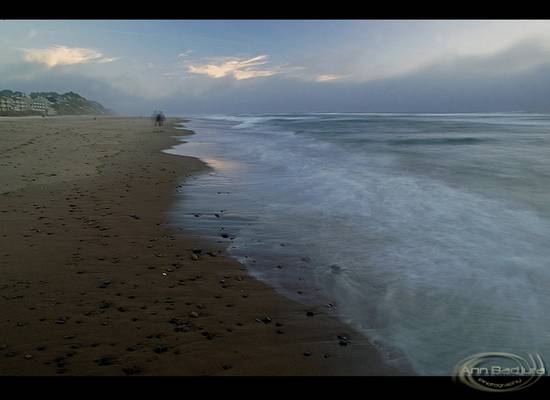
<point>189,67</point>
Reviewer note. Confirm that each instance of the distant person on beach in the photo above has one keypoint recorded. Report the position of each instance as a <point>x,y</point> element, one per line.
<point>158,118</point>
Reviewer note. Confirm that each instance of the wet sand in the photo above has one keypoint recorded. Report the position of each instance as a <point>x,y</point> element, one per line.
<point>95,282</point>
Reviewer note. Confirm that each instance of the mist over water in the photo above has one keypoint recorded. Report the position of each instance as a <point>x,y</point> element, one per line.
<point>429,232</point>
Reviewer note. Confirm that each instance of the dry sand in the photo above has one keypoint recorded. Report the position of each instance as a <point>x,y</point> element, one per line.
<point>93,281</point>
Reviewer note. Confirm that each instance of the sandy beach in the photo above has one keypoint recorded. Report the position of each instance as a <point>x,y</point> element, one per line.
<point>95,282</point>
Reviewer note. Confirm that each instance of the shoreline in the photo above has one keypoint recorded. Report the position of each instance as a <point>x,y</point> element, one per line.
<point>97,283</point>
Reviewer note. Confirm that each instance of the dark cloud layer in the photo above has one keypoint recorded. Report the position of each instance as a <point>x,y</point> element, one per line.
<point>517,79</point>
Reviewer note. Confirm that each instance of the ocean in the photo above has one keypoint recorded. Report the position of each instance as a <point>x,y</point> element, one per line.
<point>430,233</point>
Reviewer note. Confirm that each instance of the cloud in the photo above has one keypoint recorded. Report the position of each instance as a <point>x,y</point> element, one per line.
<point>105,60</point>
<point>328,77</point>
<point>184,54</point>
<point>62,55</point>
<point>238,68</point>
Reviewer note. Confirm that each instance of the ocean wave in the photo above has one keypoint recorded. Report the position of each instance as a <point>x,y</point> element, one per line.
<point>440,141</point>
<point>437,257</point>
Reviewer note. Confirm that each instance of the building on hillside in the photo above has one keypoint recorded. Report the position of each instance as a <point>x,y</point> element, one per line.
<point>40,104</point>
<point>26,104</point>
<point>22,104</point>
<point>6,104</point>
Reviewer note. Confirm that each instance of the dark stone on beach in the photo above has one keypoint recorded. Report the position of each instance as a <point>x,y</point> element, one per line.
<point>266,320</point>
<point>104,361</point>
<point>104,305</point>
<point>132,370</point>
<point>207,335</point>
<point>310,314</point>
<point>307,354</point>
<point>180,325</point>
<point>160,349</point>
<point>104,284</point>
<point>280,332</point>
<point>59,360</point>
<point>224,235</point>
<point>61,320</point>
<point>343,340</point>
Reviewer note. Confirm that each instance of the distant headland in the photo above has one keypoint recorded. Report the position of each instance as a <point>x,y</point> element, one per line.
<point>13,103</point>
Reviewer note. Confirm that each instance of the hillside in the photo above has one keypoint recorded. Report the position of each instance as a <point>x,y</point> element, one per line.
<point>48,103</point>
